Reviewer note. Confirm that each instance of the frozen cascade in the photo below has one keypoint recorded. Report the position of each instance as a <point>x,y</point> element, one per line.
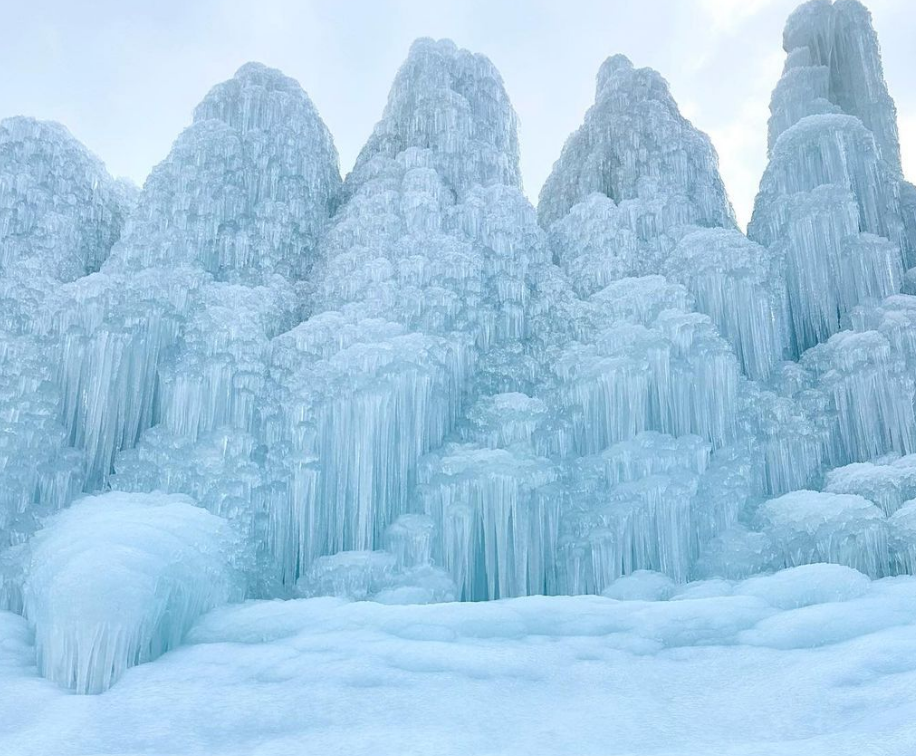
<point>497,512</point>
<point>670,373</point>
<point>740,285</point>
<point>864,383</point>
<point>117,579</point>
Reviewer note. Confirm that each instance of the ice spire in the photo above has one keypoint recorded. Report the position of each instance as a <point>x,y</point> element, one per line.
<point>247,188</point>
<point>834,65</point>
<point>833,205</point>
<point>57,202</point>
<point>423,277</point>
<point>831,200</point>
<point>631,185</point>
<point>239,202</point>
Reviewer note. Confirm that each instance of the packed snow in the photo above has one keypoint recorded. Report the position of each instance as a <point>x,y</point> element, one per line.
<point>817,660</point>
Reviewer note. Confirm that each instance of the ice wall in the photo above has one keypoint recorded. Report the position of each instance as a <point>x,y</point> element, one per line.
<point>412,386</point>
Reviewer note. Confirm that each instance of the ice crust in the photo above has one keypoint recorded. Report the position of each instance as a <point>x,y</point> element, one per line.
<point>413,387</point>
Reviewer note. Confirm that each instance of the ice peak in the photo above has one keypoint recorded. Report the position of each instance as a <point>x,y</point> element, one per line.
<point>452,104</point>
<point>257,97</point>
<point>57,202</point>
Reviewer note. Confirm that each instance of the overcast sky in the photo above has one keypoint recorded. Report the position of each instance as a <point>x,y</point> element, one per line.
<point>124,75</point>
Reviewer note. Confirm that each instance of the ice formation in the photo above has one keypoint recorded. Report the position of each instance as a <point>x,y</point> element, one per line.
<point>118,579</point>
<point>413,387</point>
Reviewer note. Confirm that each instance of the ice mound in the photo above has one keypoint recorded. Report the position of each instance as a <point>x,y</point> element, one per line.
<point>812,526</point>
<point>118,579</point>
<point>247,188</point>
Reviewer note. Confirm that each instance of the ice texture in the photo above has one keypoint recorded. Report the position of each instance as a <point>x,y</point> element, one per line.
<point>118,579</point>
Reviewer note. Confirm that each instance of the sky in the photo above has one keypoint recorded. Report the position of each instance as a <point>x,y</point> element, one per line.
<point>125,75</point>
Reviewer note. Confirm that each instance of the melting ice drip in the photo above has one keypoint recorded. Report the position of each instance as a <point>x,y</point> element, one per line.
<point>412,386</point>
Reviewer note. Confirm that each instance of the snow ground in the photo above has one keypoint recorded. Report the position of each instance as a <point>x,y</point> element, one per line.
<point>816,660</point>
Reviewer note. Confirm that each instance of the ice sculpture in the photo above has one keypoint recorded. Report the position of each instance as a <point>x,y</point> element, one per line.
<point>116,580</point>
